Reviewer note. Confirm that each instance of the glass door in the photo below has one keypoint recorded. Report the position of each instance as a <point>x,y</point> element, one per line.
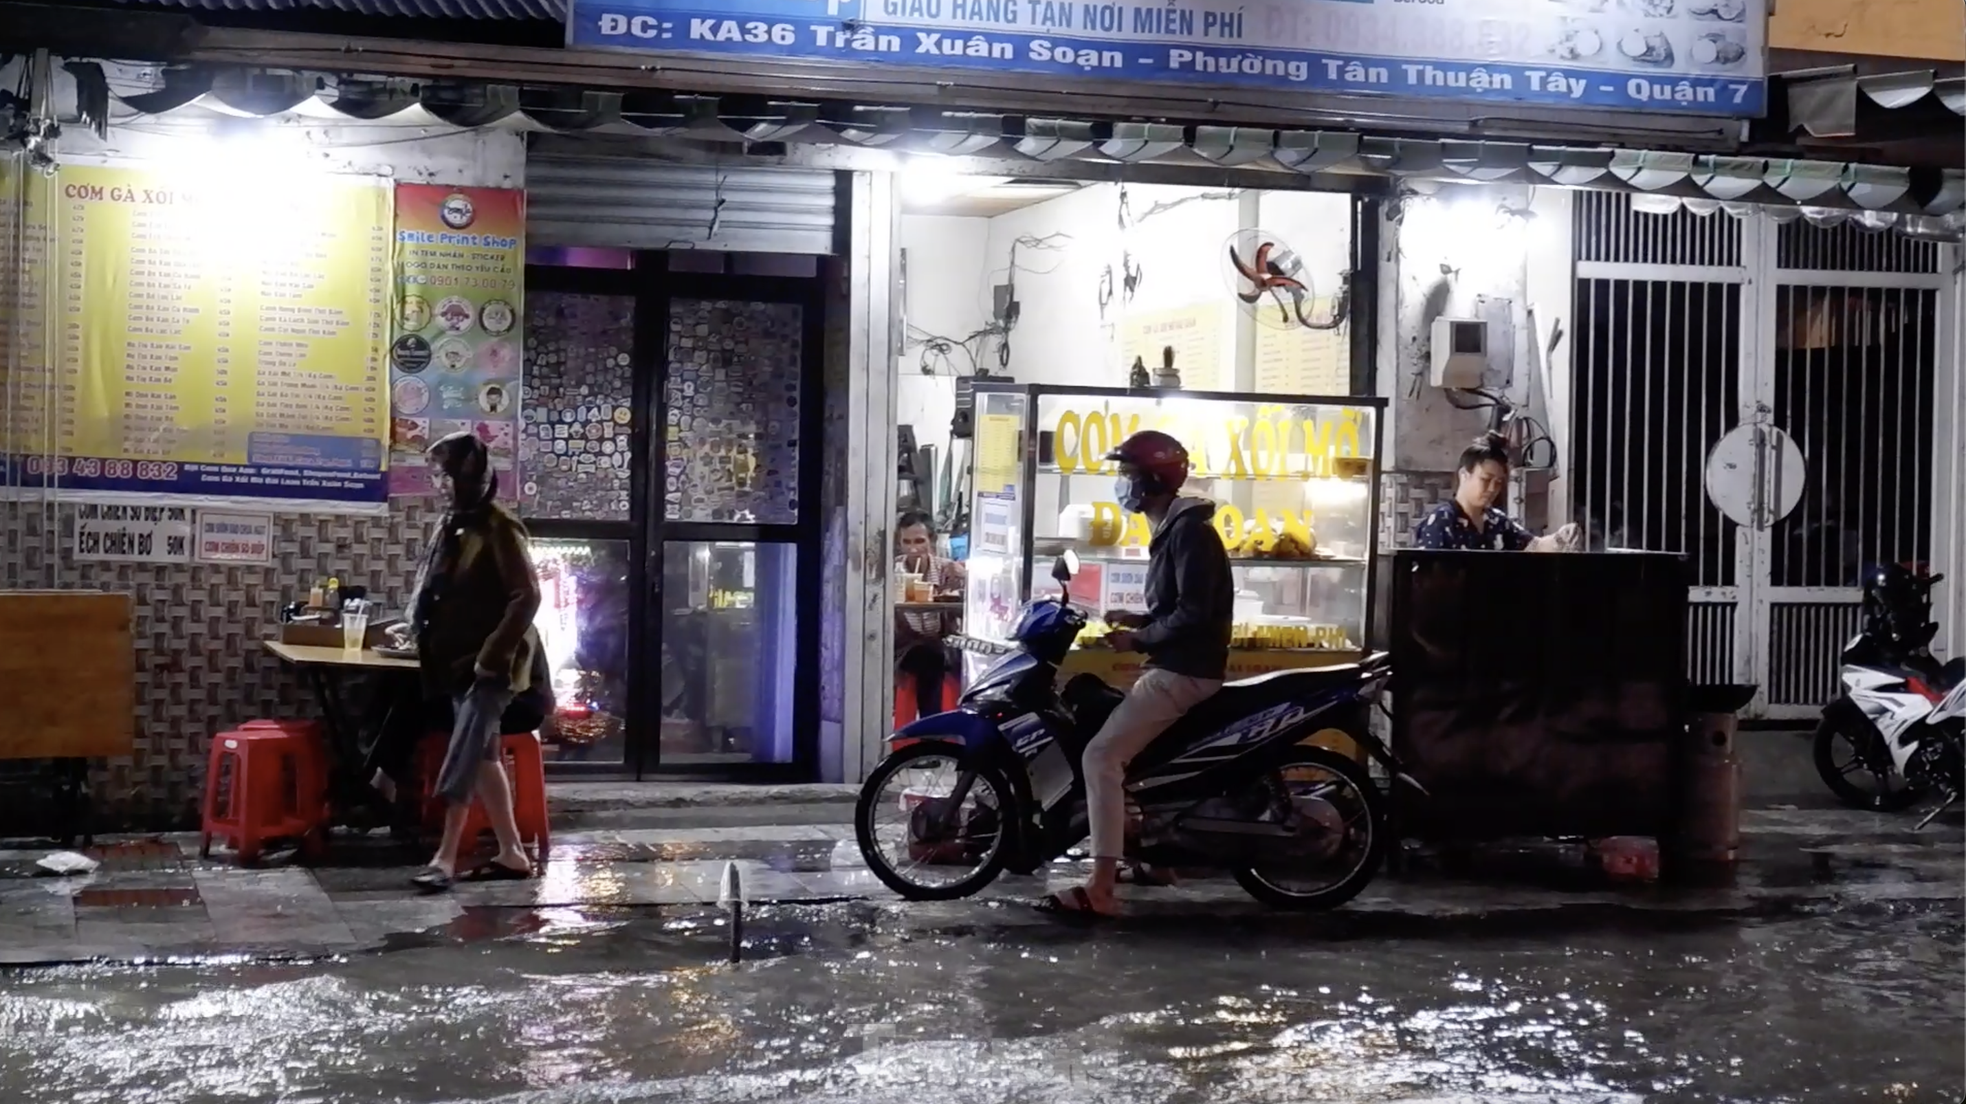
<point>733,527</point>
<point>578,495</point>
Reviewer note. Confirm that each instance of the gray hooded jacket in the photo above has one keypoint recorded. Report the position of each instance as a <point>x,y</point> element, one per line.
<point>1191,595</point>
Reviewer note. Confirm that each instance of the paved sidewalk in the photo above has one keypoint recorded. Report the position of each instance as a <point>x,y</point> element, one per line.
<point>154,898</point>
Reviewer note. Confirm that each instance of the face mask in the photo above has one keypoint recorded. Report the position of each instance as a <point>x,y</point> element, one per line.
<point>1129,494</point>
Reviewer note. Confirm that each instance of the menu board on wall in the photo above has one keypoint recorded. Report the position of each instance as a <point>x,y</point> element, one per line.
<point>455,351</point>
<point>216,339</point>
<point>1303,361</point>
<point>1194,333</point>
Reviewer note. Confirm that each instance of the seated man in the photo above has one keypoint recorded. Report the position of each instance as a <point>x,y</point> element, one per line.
<point>1185,634</point>
<point>1473,521</point>
<point>919,649</point>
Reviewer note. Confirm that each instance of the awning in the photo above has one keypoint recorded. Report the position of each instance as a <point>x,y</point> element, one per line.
<point>1831,102</point>
<point>1917,200</point>
<point>553,11</point>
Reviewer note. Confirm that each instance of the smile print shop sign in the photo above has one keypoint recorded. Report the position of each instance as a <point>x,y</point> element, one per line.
<point>454,359</point>
<point>1704,57</point>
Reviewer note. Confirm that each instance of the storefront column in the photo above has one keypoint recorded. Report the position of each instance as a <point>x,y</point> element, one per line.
<point>856,710</point>
<point>1949,465</point>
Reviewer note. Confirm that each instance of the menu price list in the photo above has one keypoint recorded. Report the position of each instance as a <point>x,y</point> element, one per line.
<point>30,418</point>
<point>195,320</point>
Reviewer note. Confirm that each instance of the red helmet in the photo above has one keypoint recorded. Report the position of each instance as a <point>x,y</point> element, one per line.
<point>1157,456</point>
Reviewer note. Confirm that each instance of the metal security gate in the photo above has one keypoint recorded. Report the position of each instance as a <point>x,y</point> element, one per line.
<point>1852,339</point>
<point>1661,315</point>
<point>641,203</point>
<point>1816,348</point>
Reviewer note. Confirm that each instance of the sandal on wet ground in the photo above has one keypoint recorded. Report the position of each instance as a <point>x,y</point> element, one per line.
<point>497,872</point>
<point>1143,874</point>
<point>432,880</point>
<point>1074,903</point>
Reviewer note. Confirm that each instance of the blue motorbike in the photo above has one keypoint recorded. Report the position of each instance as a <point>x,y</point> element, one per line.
<point>996,784</point>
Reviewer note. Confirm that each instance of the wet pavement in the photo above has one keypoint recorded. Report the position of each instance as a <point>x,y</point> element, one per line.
<point>1831,970</point>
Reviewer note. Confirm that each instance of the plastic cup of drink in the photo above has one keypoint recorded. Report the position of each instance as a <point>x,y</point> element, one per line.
<point>354,627</point>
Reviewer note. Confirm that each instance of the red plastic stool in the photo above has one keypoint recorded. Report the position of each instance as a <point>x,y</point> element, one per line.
<point>316,735</point>
<point>264,784</point>
<point>525,771</point>
<point>905,707</point>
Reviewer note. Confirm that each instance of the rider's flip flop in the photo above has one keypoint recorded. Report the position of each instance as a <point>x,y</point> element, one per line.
<point>1074,903</point>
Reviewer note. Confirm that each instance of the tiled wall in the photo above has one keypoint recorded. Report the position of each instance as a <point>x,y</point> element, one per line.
<point>1404,498</point>
<point>199,664</point>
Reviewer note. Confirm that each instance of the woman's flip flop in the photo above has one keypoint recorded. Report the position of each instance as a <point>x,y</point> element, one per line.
<point>432,880</point>
<point>497,872</point>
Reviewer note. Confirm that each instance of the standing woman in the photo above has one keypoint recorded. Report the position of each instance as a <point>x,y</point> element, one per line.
<point>472,616</point>
<point>1472,520</point>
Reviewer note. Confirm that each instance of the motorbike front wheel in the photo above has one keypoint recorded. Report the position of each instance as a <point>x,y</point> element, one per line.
<point>1846,758</point>
<point>1339,797</point>
<point>945,833</point>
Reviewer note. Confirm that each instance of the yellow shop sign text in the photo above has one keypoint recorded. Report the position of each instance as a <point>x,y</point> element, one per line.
<point>1113,527</point>
<point>1271,445</point>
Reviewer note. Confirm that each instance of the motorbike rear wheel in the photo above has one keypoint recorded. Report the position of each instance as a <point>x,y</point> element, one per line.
<point>988,798</point>
<point>1844,748</point>
<point>1269,887</point>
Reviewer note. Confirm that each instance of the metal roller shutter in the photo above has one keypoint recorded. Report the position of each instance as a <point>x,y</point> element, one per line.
<point>637,203</point>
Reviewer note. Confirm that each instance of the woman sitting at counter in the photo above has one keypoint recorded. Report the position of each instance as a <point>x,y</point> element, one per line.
<point>1472,521</point>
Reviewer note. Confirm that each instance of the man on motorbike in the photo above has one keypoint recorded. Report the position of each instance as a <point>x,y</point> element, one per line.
<point>1184,635</point>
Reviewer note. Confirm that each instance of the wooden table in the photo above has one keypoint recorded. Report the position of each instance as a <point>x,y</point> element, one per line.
<point>322,668</point>
<point>69,666</point>
<point>310,655</point>
<point>955,606</point>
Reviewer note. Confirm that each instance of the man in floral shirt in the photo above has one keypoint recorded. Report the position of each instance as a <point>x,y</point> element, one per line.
<point>1472,521</point>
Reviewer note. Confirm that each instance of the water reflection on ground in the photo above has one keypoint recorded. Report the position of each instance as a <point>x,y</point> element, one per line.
<point>887,1003</point>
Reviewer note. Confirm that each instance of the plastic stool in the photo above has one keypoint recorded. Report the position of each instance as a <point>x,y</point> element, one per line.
<point>264,784</point>
<point>905,707</point>
<point>525,772</point>
<point>316,735</point>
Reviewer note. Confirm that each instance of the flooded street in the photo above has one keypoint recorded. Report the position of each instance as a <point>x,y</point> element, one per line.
<point>976,1002</point>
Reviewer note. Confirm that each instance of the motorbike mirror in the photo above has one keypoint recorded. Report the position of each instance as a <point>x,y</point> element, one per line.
<point>1065,566</point>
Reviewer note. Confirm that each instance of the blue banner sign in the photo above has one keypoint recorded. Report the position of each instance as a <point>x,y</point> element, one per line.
<point>1705,57</point>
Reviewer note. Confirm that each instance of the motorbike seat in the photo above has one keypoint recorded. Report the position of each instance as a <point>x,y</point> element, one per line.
<point>1246,697</point>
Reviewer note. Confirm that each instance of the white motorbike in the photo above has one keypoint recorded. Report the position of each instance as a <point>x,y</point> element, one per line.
<point>1896,733</point>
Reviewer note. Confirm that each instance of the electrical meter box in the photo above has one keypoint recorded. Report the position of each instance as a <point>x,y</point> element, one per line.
<point>1460,352</point>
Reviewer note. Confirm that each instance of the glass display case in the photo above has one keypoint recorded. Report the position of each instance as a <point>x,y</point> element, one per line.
<point>1295,482</point>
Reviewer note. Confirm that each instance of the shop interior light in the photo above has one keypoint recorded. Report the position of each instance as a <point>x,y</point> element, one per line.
<point>248,184</point>
<point>929,181</point>
<point>1472,231</point>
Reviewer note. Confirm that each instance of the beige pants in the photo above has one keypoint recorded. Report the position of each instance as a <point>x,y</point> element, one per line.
<point>1157,700</point>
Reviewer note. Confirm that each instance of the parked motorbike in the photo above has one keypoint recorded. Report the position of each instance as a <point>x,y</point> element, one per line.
<point>1895,735</point>
<point>996,783</point>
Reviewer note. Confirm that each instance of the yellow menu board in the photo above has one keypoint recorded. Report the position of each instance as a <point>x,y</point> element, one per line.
<point>217,338</point>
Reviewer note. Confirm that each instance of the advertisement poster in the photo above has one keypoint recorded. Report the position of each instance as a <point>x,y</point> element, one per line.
<point>219,339</point>
<point>1126,587</point>
<point>999,467</point>
<point>234,538</point>
<point>1704,57</point>
<point>456,347</point>
<point>132,534</point>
